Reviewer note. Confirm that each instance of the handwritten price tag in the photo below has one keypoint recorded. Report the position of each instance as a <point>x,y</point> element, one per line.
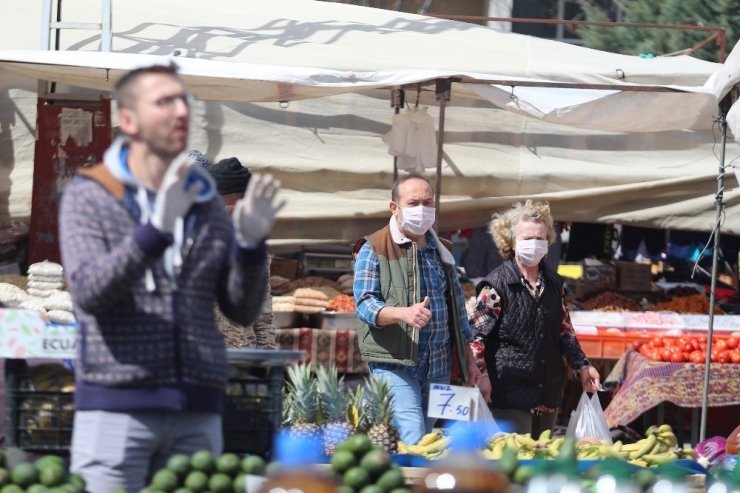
<point>453,402</point>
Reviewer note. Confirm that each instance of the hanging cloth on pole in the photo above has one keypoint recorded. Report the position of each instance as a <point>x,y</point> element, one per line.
<point>413,140</point>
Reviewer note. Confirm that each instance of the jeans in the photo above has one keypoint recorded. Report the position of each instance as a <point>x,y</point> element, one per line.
<point>410,399</point>
<point>121,450</point>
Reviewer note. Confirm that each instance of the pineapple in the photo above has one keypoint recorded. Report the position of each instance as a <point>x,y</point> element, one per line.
<point>380,413</point>
<point>303,402</point>
<point>335,405</point>
<point>358,415</point>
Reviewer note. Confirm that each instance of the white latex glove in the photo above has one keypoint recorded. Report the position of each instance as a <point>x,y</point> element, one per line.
<point>172,200</point>
<point>254,214</point>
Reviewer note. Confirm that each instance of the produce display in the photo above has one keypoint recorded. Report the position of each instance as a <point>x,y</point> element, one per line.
<point>342,303</point>
<point>653,319</point>
<point>203,472</point>
<point>689,349</point>
<point>362,467</point>
<point>696,303</point>
<point>322,408</point>
<point>48,474</point>
<point>610,301</point>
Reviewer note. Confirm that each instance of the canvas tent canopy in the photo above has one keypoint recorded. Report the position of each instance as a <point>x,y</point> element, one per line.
<point>642,158</point>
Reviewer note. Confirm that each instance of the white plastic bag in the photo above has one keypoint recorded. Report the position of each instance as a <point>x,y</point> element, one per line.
<point>398,136</point>
<point>588,420</point>
<point>413,140</point>
<point>484,418</point>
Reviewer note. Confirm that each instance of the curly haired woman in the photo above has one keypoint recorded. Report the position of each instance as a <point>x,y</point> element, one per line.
<point>522,326</point>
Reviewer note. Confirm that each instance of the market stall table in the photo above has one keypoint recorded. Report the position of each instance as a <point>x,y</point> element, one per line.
<point>322,347</point>
<point>644,384</point>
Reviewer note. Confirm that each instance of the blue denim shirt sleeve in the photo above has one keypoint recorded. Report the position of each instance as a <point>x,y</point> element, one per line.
<point>367,286</point>
<point>460,299</point>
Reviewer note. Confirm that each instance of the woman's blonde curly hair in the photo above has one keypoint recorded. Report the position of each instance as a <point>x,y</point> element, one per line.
<point>503,225</point>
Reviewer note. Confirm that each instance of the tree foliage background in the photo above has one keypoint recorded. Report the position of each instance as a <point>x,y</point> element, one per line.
<point>634,41</point>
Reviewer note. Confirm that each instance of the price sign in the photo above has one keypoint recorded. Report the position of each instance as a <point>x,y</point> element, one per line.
<point>453,402</point>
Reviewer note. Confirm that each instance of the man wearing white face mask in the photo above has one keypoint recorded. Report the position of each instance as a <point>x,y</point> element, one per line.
<point>411,310</point>
<point>522,326</point>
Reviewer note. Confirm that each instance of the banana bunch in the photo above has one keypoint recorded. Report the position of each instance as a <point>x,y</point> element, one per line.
<point>659,447</point>
<point>432,446</point>
<point>526,447</point>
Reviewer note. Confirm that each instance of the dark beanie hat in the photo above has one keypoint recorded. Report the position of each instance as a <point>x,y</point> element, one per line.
<point>230,176</point>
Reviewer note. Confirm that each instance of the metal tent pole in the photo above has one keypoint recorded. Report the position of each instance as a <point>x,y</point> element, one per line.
<point>398,99</point>
<point>442,91</point>
<point>715,265</point>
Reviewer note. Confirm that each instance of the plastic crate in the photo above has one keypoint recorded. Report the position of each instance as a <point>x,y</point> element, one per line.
<point>603,346</point>
<point>36,421</point>
<point>253,410</point>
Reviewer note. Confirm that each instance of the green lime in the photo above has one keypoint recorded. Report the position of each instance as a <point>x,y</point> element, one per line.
<point>36,488</point>
<point>376,463</point>
<point>357,478</point>
<point>254,465</point>
<point>524,474</point>
<point>77,480</point>
<point>372,488</point>
<point>344,489</point>
<point>52,475</point>
<point>343,460</point>
<point>358,445</point>
<point>400,490</point>
<point>240,483</point>
<point>4,477</point>
<point>197,481</point>
<point>272,468</point>
<point>118,490</point>
<point>508,462</point>
<point>185,490</point>
<point>70,488</point>
<point>391,479</point>
<point>24,474</point>
<point>203,461</point>
<point>228,464</point>
<point>50,459</point>
<point>165,480</point>
<point>644,477</point>
<point>11,488</point>
<point>220,483</point>
<point>179,464</point>
<point>567,451</point>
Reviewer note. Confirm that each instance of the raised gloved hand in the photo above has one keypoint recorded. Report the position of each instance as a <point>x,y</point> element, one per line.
<point>254,214</point>
<point>173,198</point>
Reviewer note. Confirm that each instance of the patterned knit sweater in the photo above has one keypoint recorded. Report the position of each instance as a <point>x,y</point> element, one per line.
<point>140,350</point>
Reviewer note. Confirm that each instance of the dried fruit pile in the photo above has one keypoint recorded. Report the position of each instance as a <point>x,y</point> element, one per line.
<point>342,303</point>
<point>610,301</point>
<point>696,304</point>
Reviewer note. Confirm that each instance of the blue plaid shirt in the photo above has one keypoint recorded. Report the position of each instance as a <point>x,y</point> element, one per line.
<point>434,358</point>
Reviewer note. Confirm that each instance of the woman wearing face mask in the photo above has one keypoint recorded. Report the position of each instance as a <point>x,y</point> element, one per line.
<point>522,326</point>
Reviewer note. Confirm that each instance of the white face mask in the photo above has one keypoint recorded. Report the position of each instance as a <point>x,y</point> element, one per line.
<point>530,252</point>
<point>417,220</point>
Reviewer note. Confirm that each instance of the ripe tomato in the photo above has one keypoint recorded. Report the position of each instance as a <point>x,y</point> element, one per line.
<point>721,344</point>
<point>666,353</point>
<point>687,348</point>
<point>724,357</point>
<point>687,356</point>
<point>732,342</point>
<point>703,347</point>
<point>677,358</point>
<point>702,339</point>
<point>669,341</point>
<point>655,355</point>
<point>714,355</point>
<point>695,344</point>
<point>636,345</point>
<point>735,356</point>
<point>697,357</point>
<point>658,342</point>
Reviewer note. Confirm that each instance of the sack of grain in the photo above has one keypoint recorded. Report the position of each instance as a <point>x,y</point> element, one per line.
<point>32,283</point>
<point>46,268</point>
<point>38,278</point>
<point>310,310</point>
<point>309,293</point>
<point>311,302</point>
<point>33,303</point>
<point>11,295</point>
<point>59,301</point>
<point>42,293</point>
<point>61,317</point>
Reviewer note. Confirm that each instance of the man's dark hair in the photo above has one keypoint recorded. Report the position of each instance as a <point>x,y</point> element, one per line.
<point>124,93</point>
<point>405,178</point>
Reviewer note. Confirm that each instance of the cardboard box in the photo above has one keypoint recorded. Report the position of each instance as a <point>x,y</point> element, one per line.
<point>284,267</point>
<point>595,271</point>
<point>633,276</point>
<point>584,287</point>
